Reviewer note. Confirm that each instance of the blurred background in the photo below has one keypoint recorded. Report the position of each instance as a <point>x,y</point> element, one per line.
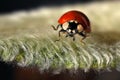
<point>8,5</point>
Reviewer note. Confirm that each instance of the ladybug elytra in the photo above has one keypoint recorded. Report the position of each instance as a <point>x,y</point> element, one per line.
<point>78,23</point>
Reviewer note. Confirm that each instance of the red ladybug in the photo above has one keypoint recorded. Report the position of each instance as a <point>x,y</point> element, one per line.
<point>78,23</point>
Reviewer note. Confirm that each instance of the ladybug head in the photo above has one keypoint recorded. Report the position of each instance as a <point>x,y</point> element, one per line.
<point>74,27</point>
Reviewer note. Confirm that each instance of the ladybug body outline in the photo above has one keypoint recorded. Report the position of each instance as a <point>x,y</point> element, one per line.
<point>77,22</point>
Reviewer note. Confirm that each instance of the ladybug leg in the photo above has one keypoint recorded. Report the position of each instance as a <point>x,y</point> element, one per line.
<point>59,34</point>
<point>71,34</point>
<point>73,38</point>
<point>83,35</point>
<point>66,35</point>
<point>63,31</point>
<point>56,28</point>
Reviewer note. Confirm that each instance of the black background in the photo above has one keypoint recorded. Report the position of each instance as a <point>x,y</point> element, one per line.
<point>13,5</point>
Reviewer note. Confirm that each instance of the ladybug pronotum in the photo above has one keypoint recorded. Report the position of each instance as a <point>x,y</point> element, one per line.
<point>78,23</point>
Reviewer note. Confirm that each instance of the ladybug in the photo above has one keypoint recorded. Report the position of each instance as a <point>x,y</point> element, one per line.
<point>78,23</point>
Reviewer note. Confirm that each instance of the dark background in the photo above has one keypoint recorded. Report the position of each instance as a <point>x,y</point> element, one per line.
<point>13,5</point>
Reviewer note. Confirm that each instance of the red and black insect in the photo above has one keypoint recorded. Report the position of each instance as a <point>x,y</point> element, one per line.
<point>78,23</point>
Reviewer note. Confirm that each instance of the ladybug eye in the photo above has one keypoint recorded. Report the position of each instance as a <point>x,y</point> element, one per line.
<point>80,28</point>
<point>65,25</point>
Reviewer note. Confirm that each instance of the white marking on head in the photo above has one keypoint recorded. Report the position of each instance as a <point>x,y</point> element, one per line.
<point>69,30</point>
<point>76,22</point>
<point>73,31</point>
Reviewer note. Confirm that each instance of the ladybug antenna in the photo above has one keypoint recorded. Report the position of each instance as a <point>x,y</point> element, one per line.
<point>61,30</point>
